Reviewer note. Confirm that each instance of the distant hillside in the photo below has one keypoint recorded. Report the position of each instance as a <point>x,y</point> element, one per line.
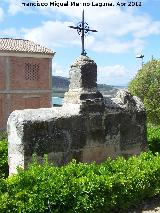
<point>62,83</point>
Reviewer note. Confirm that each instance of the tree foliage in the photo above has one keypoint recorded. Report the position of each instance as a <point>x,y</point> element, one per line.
<point>146,85</point>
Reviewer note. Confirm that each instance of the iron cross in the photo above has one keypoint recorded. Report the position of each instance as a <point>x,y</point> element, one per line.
<point>82,29</point>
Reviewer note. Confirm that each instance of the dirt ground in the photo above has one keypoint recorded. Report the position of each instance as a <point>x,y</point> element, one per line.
<point>147,206</point>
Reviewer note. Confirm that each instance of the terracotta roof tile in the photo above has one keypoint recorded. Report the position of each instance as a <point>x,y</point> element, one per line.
<point>21,45</point>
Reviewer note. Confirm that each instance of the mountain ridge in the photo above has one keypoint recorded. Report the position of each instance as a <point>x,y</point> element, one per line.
<point>59,82</point>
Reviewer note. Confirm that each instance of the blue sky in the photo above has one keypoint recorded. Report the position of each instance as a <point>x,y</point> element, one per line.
<point>123,32</point>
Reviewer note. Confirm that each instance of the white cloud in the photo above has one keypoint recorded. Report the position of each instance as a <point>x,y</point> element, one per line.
<point>116,74</point>
<point>119,31</point>
<point>53,34</point>
<point>151,28</point>
<point>114,45</point>
<point>57,34</point>
<point>121,23</point>
<point>110,20</point>
<point>15,6</point>
<point>113,71</point>
<point>107,74</point>
<point>58,70</point>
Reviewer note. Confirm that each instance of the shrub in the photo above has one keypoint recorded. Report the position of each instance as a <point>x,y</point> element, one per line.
<point>145,85</point>
<point>111,186</point>
<point>3,158</point>
<point>153,138</point>
<point>3,135</point>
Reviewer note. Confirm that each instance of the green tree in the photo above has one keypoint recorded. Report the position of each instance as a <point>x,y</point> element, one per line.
<point>146,85</point>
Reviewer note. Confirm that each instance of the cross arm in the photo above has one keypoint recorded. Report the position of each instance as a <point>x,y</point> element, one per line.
<point>74,27</point>
<point>93,30</point>
<point>80,28</point>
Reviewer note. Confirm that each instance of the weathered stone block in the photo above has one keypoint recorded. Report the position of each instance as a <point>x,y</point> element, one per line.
<point>83,86</point>
<point>85,130</point>
<point>83,73</point>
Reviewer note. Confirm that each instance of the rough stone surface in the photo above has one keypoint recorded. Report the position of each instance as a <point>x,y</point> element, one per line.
<point>82,129</point>
<point>83,86</point>
<point>83,74</point>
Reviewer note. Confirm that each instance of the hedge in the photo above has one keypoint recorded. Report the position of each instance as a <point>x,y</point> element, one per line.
<point>112,186</point>
<point>153,138</point>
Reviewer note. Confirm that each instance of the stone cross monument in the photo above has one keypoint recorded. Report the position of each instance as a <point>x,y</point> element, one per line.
<point>83,78</point>
<point>88,127</point>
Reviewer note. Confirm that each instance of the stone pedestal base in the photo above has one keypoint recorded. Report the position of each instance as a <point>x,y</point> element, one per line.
<point>91,101</point>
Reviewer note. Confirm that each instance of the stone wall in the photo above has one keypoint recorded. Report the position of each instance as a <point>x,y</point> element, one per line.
<point>86,129</point>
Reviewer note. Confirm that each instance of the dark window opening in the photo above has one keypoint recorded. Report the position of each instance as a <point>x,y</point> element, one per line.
<point>31,72</point>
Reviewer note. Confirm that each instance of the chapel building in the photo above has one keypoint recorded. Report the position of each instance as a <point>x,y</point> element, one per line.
<point>25,77</point>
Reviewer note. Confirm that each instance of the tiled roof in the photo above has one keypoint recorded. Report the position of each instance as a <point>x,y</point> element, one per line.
<point>21,45</point>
